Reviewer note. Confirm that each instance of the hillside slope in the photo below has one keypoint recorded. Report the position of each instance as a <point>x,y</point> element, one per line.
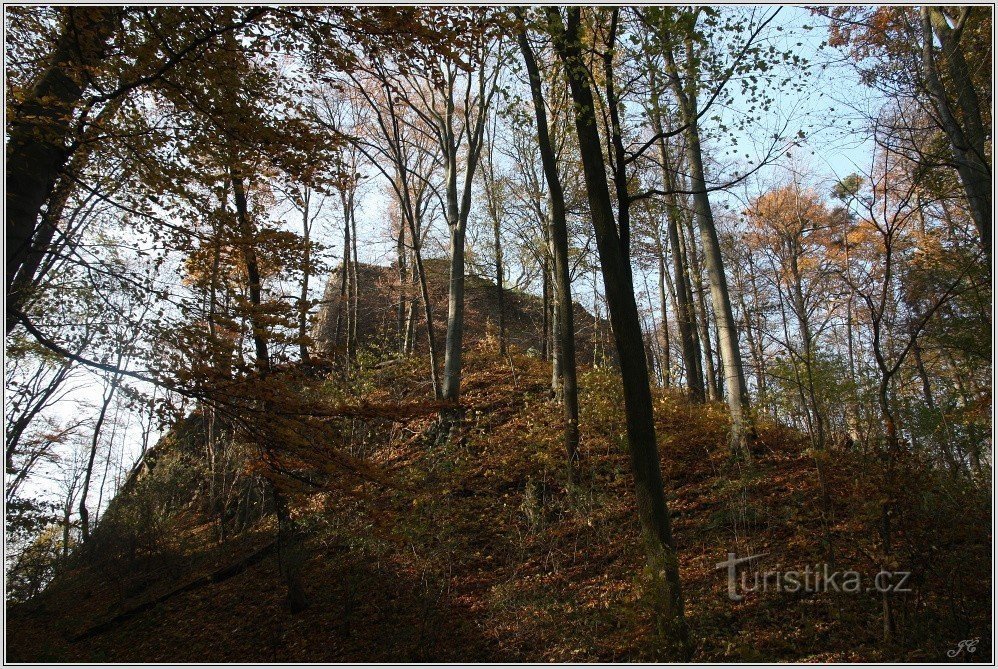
<point>479,552</point>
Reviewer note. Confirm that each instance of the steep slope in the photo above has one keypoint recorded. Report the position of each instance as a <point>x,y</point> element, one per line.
<point>478,551</point>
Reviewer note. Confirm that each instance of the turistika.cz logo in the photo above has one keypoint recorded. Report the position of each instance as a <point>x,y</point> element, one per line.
<point>820,578</point>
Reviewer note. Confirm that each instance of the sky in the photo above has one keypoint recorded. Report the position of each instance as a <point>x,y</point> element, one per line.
<point>830,111</point>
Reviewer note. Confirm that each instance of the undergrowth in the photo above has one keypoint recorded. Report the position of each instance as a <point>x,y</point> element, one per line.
<point>477,548</point>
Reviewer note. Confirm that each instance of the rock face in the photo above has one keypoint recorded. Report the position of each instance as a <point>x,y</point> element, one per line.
<point>378,314</point>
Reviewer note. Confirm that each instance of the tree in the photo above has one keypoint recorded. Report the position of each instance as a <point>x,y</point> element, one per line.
<point>684,87</point>
<point>792,225</point>
<point>895,51</point>
<point>559,245</point>
<point>79,77</point>
<point>656,530</point>
<point>41,129</point>
<point>412,156</point>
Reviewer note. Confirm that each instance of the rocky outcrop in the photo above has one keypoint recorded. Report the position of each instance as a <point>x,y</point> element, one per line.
<point>378,303</point>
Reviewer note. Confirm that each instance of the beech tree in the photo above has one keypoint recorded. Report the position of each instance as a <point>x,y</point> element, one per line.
<point>663,565</point>
<point>565,331</point>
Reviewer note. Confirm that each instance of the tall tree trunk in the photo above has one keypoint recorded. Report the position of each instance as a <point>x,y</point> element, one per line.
<point>455,317</point>
<point>556,331</point>
<point>289,553</point>
<point>663,273</point>
<point>759,350</point>
<point>342,315</point>
<point>303,306</point>
<point>653,513</point>
<point>545,301</point>
<point>684,311</point>
<point>221,347</point>
<point>41,125</point>
<point>402,328</point>
<point>288,533</point>
<point>248,242</point>
<point>685,316</point>
<point>702,320</point>
<point>500,289</point>
<point>733,375</point>
<point>756,352</point>
<point>968,140</point>
<point>355,280</point>
<point>94,442</point>
<point>424,292</point>
<point>457,209</point>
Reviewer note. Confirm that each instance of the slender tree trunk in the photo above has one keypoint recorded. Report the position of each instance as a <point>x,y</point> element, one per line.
<point>760,380</point>
<point>455,317</point>
<point>67,511</point>
<point>355,280</point>
<point>344,298</point>
<point>653,513</point>
<point>500,290</point>
<point>685,316</point>
<point>545,303</point>
<point>303,305</point>
<point>663,306</point>
<point>402,329</point>
<point>221,348</point>
<point>804,327</point>
<point>288,539</point>
<point>248,242</point>
<point>556,333</point>
<point>684,307</point>
<point>703,325</point>
<point>701,315</point>
<point>289,554</point>
<point>457,209</point>
<point>759,351</point>
<point>734,377</point>
<point>88,473</point>
<point>424,292</point>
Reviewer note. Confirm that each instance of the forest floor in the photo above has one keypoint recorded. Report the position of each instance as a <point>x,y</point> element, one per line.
<point>479,551</point>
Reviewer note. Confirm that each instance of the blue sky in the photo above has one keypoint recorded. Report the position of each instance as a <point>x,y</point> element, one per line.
<point>830,111</point>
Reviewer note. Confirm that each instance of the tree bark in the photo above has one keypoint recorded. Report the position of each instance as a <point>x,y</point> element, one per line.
<point>500,289</point>
<point>40,127</point>
<point>88,473</point>
<point>306,273</point>
<point>254,287</point>
<point>457,209</point>
<point>968,140</point>
<point>424,292</point>
<point>565,366</point>
<point>455,316</point>
<point>701,319</point>
<point>734,377</point>
<point>558,235</point>
<point>685,316</point>
<point>663,273</point>
<point>653,513</point>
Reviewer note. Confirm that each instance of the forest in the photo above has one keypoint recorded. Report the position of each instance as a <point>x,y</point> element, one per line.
<point>498,334</point>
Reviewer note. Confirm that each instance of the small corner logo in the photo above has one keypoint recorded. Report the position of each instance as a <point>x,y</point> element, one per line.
<point>968,646</point>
